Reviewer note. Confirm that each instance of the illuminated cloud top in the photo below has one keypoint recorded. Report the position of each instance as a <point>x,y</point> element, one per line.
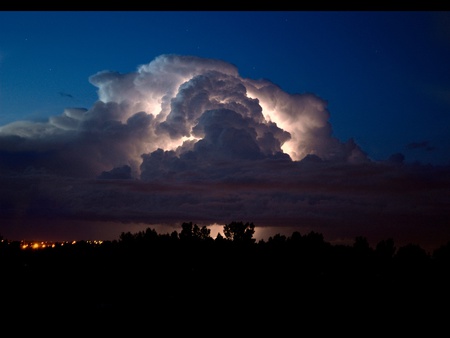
<point>176,112</point>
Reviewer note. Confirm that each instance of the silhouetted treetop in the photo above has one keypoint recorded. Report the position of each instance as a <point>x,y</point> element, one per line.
<point>239,232</point>
<point>194,232</point>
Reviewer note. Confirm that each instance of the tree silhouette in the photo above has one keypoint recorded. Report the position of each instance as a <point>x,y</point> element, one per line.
<point>194,232</point>
<point>277,239</point>
<point>361,245</point>
<point>239,232</point>
<point>385,249</point>
<point>412,254</point>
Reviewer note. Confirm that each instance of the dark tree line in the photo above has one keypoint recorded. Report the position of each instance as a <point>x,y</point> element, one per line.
<point>158,272</point>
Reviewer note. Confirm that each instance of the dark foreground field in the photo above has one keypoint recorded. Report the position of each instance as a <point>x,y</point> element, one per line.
<point>180,283</point>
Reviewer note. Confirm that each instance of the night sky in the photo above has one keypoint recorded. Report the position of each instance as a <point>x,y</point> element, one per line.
<point>329,121</point>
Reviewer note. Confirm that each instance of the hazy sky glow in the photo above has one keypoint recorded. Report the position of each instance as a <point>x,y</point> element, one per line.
<point>335,122</point>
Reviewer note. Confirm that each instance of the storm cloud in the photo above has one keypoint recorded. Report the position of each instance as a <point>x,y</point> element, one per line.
<point>188,139</point>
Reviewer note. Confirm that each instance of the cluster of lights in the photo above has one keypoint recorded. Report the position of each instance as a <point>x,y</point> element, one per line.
<point>38,245</point>
<point>43,245</point>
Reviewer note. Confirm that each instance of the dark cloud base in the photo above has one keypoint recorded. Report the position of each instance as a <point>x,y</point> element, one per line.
<point>408,204</point>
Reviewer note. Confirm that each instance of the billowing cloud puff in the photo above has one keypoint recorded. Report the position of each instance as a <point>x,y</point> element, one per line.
<point>176,103</point>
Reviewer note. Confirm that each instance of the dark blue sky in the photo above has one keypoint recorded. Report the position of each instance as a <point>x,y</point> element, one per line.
<point>331,121</point>
<point>385,75</point>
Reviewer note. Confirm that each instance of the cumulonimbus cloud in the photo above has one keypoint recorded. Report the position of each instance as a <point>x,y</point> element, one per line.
<point>182,104</point>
